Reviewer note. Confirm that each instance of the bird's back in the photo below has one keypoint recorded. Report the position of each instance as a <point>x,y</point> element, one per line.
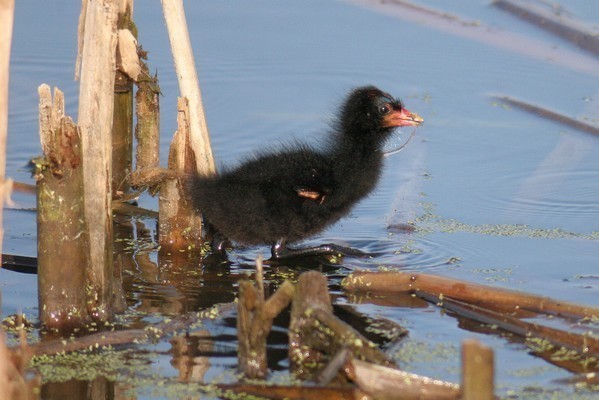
<point>269,197</point>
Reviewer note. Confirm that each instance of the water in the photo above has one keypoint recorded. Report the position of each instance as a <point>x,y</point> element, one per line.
<point>272,72</point>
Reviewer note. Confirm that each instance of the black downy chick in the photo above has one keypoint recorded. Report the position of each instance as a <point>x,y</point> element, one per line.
<point>296,192</point>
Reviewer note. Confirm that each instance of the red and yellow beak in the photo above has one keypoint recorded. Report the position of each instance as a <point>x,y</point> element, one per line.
<point>401,117</point>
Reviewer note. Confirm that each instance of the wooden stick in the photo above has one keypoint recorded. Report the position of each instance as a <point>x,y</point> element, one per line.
<point>472,293</point>
<point>95,122</point>
<point>22,264</point>
<point>332,369</point>
<point>7,10</point>
<point>23,187</point>
<point>151,178</point>
<point>389,383</point>
<point>478,374</point>
<point>551,115</point>
<point>561,25</point>
<point>189,86</point>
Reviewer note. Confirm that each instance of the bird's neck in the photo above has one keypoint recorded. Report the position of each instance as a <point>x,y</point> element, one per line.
<point>352,154</point>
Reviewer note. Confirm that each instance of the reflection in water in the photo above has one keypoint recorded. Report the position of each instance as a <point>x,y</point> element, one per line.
<point>543,191</point>
<point>191,355</point>
<point>171,285</point>
<point>97,389</point>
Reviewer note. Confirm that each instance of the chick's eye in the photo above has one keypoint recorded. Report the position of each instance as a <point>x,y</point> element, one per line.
<point>384,109</point>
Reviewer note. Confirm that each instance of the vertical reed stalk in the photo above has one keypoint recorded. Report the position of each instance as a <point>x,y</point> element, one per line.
<point>189,86</point>
<point>96,105</point>
<point>477,371</point>
<point>147,129</point>
<point>122,126</point>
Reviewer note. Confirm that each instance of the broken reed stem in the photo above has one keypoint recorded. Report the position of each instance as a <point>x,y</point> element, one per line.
<point>311,292</point>
<point>260,275</point>
<point>7,10</point>
<point>548,114</point>
<point>276,303</point>
<point>315,334</point>
<point>180,226</point>
<point>337,335</point>
<point>478,373</point>
<point>388,383</point>
<point>62,244</point>
<point>252,352</point>
<point>332,369</point>
<point>472,293</point>
<point>189,85</point>
<point>254,322</point>
<point>151,177</point>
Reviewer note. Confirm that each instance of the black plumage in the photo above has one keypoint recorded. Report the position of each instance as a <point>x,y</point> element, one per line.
<point>297,191</point>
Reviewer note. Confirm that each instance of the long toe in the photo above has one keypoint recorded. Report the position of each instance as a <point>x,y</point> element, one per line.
<point>322,250</point>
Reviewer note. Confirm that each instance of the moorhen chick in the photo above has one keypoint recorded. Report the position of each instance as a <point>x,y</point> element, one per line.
<point>297,191</point>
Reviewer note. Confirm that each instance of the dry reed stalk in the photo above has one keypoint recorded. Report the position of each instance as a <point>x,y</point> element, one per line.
<point>334,334</point>
<point>551,115</point>
<point>254,321</point>
<point>485,296</point>
<point>388,383</point>
<point>189,86</point>
<point>180,226</point>
<point>316,335</point>
<point>127,71</point>
<point>7,10</point>
<point>585,345</point>
<point>96,104</point>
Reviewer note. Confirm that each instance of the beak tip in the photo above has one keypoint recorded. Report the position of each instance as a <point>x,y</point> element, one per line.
<point>418,120</point>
